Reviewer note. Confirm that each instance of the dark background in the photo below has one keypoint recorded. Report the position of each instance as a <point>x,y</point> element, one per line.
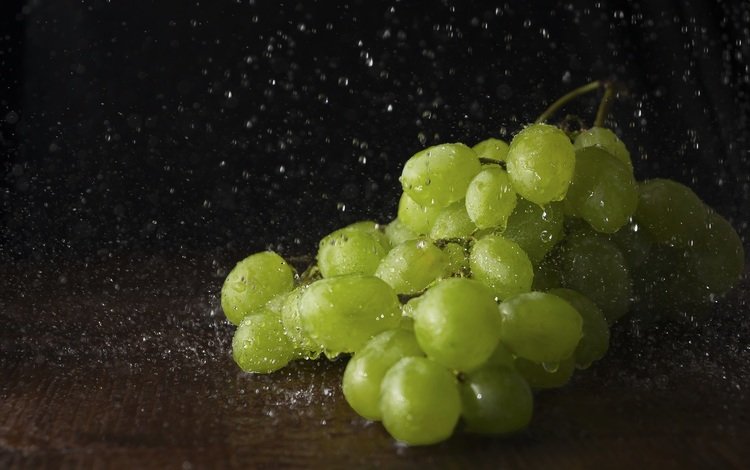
<point>229,126</point>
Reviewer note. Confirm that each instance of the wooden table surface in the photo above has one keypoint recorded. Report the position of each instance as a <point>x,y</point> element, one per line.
<point>124,363</point>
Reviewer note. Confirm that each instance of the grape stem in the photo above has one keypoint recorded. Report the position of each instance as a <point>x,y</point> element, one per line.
<point>604,105</point>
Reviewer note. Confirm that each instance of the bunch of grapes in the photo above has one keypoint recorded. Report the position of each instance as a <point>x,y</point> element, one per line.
<point>501,274</point>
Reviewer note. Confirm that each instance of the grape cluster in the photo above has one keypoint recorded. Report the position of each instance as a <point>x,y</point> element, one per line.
<point>501,274</point>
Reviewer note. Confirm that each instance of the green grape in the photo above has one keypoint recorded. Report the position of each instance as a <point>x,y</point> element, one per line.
<point>340,314</point>
<point>548,273</point>
<point>277,302</point>
<point>417,218</point>
<point>458,260</point>
<point>452,222</point>
<point>502,265</point>
<point>490,198</point>
<point>370,227</point>
<point>717,258</point>
<point>407,323</point>
<point>365,370</point>
<point>604,138</point>
<point>350,251</point>
<point>576,228</point>
<point>595,341</point>
<point>544,376</point>
<point>290,318</point>
<point>491,149</point>
<point>496,400</point>
<point>254,281</point>
<point>407,309</point>
<point>397,232</point>
<point>501,357</point>
<point>413,265</point>
<point>456,323</point>
<point>681,282</point>
<point>439,175</point>
<point>540,163</point>
<point>634,244</point>
<point>260,344</point>
<point>540,327</point>
<point>536,229</point>
<point>419,401</point>
<point>596,268</point>
<point>670,212</point>
<point>603,191</point>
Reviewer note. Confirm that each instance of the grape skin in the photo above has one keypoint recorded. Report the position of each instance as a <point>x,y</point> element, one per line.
<point>490,199</point>
<point>457,323</point>
<point>540,327</point>
<point>496,400</point>
<point>419,401</point>
<point>545,376</point>
<point>717,258</point>
<point>260,344</point>
<point>254,281</point>
<point>595,341</point>
<point>502,265</point>
<point>350,251</point>
<point>452,222</point>
<point>595,267</point>
<point>540,163</point>
<point>416,217</point>
<point>491,149</point>
<point>413,265</point>
<point>439,175</point>
<point>340,314</point>
<point>365,370</point>
<point>536,229</point>
<point>670,211</point>
<point>603,191</point>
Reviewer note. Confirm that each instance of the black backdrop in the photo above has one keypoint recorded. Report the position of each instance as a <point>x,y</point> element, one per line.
<point>228,126</point>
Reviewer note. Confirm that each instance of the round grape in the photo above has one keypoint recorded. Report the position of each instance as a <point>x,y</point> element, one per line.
<point>603,191</point>
<point>254,281</point>
<point>540,327</point>
<point>670,211</point>
<point>413,265</point>
<point>502,265</point>
<point>490,198</point>
<point>536,229</point>
<point>496,400</point>
<point>260,344</point>
<point>491,149</point>
<point>340,314</point>
<point>419,401</point>
<point>350,251</point>
<point>540,163</point>
<point>457,323</point>
<point>439,175</point>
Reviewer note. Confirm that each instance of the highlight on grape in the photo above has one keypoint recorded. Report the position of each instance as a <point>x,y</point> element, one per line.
<point>501,274</point>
